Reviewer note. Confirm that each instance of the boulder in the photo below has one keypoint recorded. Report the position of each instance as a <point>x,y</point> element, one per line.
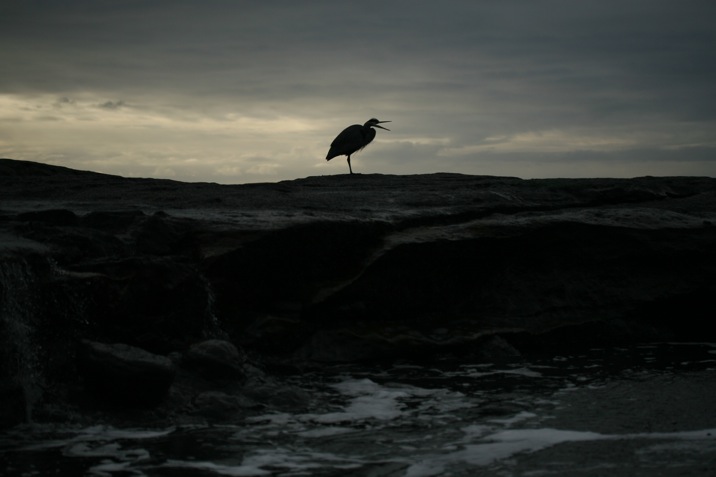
<point>216,359</point>
<point>125,374</point>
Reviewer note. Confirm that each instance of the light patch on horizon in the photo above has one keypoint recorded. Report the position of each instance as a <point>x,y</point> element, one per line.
<point>136,139</point>
<point>663,137</point>
<point>550,141</point>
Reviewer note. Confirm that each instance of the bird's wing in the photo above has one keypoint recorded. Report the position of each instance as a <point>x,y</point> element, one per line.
<point>347,142</point>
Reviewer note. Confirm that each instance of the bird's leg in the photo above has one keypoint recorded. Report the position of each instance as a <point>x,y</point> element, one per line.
<point>349,165</point>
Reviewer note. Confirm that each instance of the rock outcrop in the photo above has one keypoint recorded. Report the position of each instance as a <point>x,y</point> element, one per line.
<point>343,268</point>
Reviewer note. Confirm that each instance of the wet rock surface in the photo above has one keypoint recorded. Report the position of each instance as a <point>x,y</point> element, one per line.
<point>339,269</point>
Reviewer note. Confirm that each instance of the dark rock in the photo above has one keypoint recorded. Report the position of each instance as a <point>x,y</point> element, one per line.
<point>279,396</point>
<point>494,348</point>
<point>50,217</point>
<point>293,264</point>
<point>75,245</point>
<point>378,341</point>
<point>156,303</point>
<point>125,374</point>
<point>216,358</point>
<point>13,405</point>
<point>156,235</point>
<point>346,345</point>
<point>533,280</point>
<point>366,267</point>
<point>276,335</point>
<point>220,406</point>
<point>112,221</point>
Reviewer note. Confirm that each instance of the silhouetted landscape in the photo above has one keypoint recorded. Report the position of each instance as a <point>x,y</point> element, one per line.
<point>147,300</point>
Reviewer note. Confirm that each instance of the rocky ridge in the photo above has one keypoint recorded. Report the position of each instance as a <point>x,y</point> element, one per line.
<point>332,269</point>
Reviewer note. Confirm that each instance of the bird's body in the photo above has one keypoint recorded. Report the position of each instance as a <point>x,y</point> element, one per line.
<point>353,139</point>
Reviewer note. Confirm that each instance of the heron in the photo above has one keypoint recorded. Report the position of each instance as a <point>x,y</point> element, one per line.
<point>353,139</point>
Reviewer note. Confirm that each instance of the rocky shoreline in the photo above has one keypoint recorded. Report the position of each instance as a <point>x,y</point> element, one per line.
<point>209,292</point>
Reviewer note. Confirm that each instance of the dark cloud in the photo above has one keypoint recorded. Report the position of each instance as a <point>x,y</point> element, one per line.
<point>112,105</point>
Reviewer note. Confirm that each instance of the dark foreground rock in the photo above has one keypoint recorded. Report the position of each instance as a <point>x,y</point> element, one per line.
<point>125,374</point>
<point>340,269</point>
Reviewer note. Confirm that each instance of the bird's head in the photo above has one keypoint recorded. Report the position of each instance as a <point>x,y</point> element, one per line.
<point>374,123</point>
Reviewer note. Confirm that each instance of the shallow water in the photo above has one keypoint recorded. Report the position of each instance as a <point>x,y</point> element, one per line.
<point>445,418</point>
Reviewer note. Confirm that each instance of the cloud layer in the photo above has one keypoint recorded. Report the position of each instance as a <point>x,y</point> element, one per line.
<point>234,91</point>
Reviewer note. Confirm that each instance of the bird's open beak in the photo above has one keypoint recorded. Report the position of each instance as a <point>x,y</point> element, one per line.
<point>381,127</point>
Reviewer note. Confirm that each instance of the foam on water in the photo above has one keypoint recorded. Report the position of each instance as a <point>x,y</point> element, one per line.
<point>412,421</point>
<point>80,436</point>
<point>485,447</point>
<point>522,371</point>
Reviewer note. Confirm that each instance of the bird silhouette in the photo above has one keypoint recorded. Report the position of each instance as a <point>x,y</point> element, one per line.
<point>353,139</point>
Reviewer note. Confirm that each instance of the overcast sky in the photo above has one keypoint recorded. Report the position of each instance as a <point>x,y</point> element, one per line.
<point>255,91</point>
